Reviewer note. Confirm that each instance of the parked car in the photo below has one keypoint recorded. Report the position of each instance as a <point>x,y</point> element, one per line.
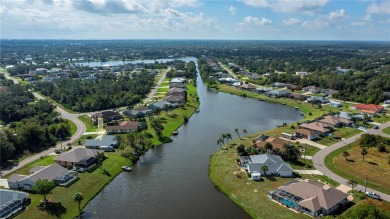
<point>373,195</point>
<point>57,151</point>
<point>376,127</point>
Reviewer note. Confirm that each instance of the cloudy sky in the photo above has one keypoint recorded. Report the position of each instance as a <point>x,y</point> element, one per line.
<point>196,19</point>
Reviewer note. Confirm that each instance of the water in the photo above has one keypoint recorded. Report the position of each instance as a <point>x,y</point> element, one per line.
<point>172,181</point>
<point>117,63</point>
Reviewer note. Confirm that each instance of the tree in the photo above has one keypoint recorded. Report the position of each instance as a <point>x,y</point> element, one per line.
<point>363,152</point>
<point>346,155</point>
<point>268,147</point>
<point>352,183</point>
<point>78,197</point>
<point>241,150</point>
<point>237,132</point>
<point>264,168</point>
<point>157,126</point>
<point>226,136</point>
<point>43,187</point>
<point>220,141</point>
<point>245,132</point>
<point>290,152</point>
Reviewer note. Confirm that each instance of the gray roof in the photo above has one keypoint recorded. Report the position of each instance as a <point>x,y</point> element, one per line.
<point>275,163</point>
<point>78,154</point>
<point>37,168</point>
<point>50,172</point>
<point>10,195</point>
<point>16,177</point>
<point>105,140</point>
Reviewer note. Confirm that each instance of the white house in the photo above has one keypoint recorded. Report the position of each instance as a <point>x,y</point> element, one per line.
<point>276,165</point>
<point>335,104</point>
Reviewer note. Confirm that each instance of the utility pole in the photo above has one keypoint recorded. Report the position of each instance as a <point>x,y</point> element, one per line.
<point>365,184</point>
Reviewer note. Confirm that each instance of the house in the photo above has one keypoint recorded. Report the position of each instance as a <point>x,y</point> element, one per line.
<point>254,76</point>
<point>275,141</point>
<point>369,108</point>
<point>102,142</point>
<point>294,87</point>
<point>276,166</point>
<point>162,105</point>
<point>387,102</point>
<point>280,85</point>
<point>329,92</point>
<point>249,87</point>
<point>173,99</point>
<point>318,100</point>
<point>309,197</point>
<point>302,74</point>
<point>261,137</point>
<point>12,202</point>
<point>176,91</point>
<point>300,97</point>
<point>178,80</point>
<point>107,116</point>
<point>335,121</point>
<point>137,113</point>
<point>178,85</point>
<point>79,158</point>
<point>221,75</point>
<point>125,127</point>
<point>347,115</point>
<point>307,134</point>
<point>278,93</point>
<point>335,104</point>
<point>56,172</point>
<point>312,89</point>
<point>317,127</point>
<point>263,89</point>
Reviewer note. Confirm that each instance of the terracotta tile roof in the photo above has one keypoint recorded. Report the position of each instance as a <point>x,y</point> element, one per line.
<point>276,143</point>
<point>371,107</point>
<point>305,132</point>
<point>124,125</point>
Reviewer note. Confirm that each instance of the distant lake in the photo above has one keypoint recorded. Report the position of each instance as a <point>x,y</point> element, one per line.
<point>171,181</point>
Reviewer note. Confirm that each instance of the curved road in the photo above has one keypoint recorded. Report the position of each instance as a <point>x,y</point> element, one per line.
<point>319,158</point>
<point>81,128</point>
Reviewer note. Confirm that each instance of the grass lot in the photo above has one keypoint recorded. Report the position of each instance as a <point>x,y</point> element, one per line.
<point>89,184</point>
<point>73,127</point>
<point>175,118</point>
<point>306,108</point>
<point>375,165</point>
<point>310,150</point>
<point>25,169</point>
<point>162,89</point>
<point>381,119</point>
<point>249,195</point>
<point>87,121</point>
<point>386,130</point>
<point>82,139</point>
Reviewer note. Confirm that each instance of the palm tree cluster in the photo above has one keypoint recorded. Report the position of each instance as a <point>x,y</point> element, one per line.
<point>221,139</point>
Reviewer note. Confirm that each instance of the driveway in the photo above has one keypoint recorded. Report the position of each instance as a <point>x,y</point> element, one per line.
<point>309,172</point>
<point>307,141</point>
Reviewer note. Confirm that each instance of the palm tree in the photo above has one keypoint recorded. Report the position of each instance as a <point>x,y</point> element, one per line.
<point>264,168</point>
<point>78,197</point>
<point>346,155</point>
<point>352,183</point>
<point>245,132</point>
<point>363,152</point>
<point>237,132</point>
<point>227,136</point>
<point>220,141</point>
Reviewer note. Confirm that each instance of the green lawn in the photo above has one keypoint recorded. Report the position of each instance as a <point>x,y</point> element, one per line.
<point>162,89</point>
<point>25,169</point>
<point>381,119</point>
<point>345,132</point>
<point>73,127</point>
<point>89,184</point>
<point>302,164</point>
<point>249,195</point>
<point>375,166</point>
<point>386,130</point>
<point>87,121</point>
<point>310,150</point>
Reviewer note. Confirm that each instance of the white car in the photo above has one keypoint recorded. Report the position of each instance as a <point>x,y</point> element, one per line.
<point>373,195</point>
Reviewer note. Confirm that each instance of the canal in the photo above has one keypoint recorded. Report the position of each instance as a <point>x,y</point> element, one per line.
<point>171,181</point>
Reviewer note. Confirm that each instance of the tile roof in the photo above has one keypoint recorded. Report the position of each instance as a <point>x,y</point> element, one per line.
<point>371,107</point>
<point>276,142</point>
<point>124,126</point>
<point>315,126</point>
<point>334,120</point>
<point>78,155</point>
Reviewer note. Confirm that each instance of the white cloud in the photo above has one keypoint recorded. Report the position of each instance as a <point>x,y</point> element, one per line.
<point>337,15</point>
<point>291,22</point>
<point>358,23</point>
<point>232,10</point>
<point>381,8</point>
<point>316,24</point>
<point>250,22</point>
<point>287,6</point>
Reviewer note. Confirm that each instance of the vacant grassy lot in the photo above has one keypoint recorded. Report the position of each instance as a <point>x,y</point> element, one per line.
<point>375,165</point>
<point>310,150</point>
<point>45,161</point>
<point>88,123</point>
<point>345,132</point>
<point>386,130</point>
<point>381,119</point>
<point>249,195</point>
<point>89,184</point>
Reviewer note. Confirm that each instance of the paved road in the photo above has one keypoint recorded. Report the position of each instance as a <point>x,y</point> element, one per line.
<point>154,90</point>
<point>319,158</point>
<point>81,128</point>
<point>228,70</point>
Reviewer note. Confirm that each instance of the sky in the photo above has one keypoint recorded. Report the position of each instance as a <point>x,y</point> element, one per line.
<point>196,19</point>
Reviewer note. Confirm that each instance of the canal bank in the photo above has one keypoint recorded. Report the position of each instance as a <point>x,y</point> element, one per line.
<point>172,181</point>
